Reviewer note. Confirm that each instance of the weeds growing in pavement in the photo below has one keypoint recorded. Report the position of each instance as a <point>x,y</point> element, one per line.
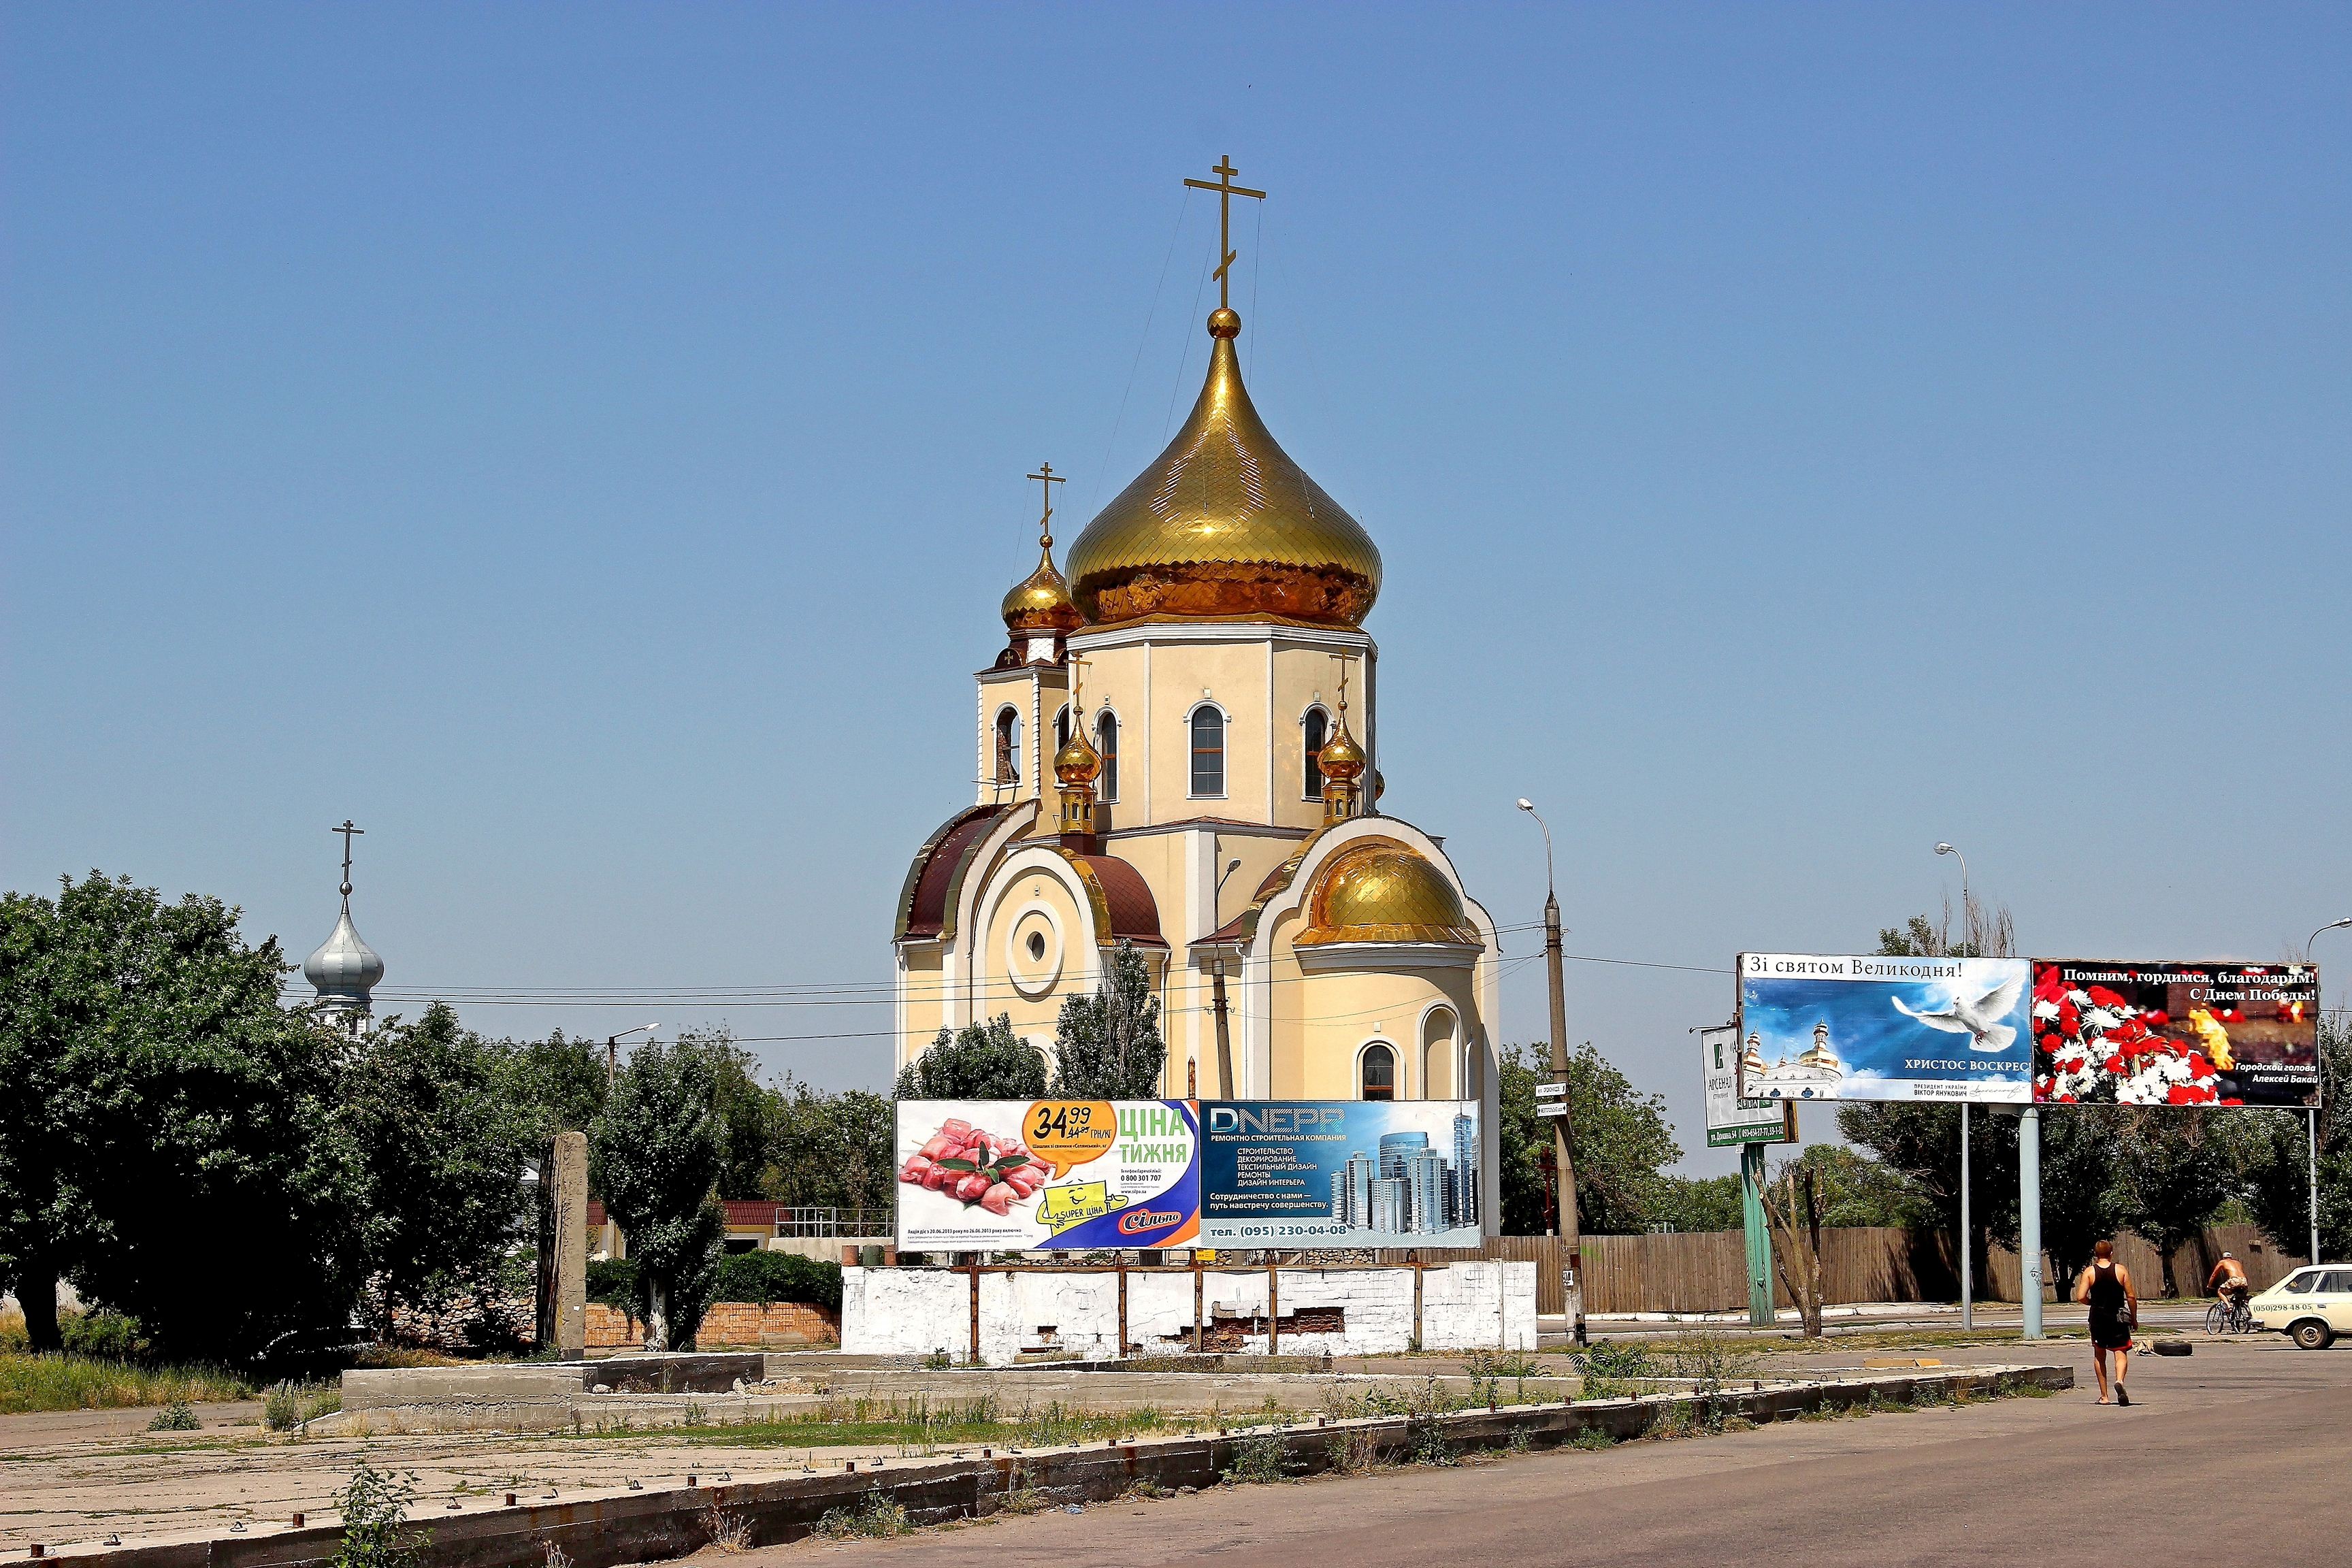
<point>1591,1438</point>
<point>730,1532</point>
<point>69,1382</point>
<point>287,1405</point>
<point>174,1418</point>
<point>372,1506</point>
<point>876,1516</point>
<point>1258,1461</point>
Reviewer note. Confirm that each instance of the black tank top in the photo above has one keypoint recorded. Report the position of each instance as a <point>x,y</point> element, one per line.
<point>2107,1290</point>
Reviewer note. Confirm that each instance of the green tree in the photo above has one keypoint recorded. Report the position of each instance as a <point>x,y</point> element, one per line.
<point>1620,1140</point>
<point>559,1084</point>
<point>1853,1189</point>
<point>979,1061</point>
<point>442,1144</point>
<point>1922,1142</point>
<point>748,1112</point>
<point>835,1151</point>
<point>654,1155</point>
<point>2174,1170</point>
<point>2079,1201</point>
<point>1696,1203</point>
<point>1107,1046</point>
<point>165,1123</point>
<point>2278,1158</point>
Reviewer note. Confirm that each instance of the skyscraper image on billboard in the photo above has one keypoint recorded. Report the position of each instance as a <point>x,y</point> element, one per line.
<point>1340,1173</point>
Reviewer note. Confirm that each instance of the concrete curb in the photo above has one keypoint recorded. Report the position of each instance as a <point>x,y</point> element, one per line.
<point>600,1529</point>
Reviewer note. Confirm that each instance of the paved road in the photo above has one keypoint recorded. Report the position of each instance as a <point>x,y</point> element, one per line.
<point>2249,1442</point>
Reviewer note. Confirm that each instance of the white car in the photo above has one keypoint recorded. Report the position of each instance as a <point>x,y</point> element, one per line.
<point>2310,1305</point>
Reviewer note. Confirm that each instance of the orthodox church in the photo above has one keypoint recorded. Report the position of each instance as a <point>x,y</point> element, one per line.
<point>1178,747</point>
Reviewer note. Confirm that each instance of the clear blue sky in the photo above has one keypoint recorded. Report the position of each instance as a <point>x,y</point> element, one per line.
<point>585,444</point>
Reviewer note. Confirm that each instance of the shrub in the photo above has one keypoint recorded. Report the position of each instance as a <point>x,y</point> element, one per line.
<point>612,1281</point>
<point>764,1277</point>
<point>174,1418</point>
<point>102,1336</point>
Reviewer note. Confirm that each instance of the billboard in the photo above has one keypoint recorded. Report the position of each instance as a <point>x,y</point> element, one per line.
<point>2110,1031</point>
<point>1339,1173</point>
<point>1871,1027</point>
<point>1046,1174</point>
<point>1731,1121</point>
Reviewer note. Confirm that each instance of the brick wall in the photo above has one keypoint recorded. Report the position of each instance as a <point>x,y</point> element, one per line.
<point>725,1324</point>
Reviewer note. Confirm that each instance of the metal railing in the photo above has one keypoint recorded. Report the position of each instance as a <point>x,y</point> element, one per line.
<point>830,1222</point>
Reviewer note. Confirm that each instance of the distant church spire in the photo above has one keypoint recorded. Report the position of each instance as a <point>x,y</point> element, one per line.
<point>344,969</point>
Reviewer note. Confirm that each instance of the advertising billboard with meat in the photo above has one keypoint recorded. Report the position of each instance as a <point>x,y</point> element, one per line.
<point>1058,1174</point>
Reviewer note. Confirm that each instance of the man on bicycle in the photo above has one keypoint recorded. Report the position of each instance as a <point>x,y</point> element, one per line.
<point>2228,1284</point>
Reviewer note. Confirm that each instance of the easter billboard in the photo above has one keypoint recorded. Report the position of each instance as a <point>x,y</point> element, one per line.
<point>1004,1175</point>
<point>2109,1032</point>
<point>1817,1026</point>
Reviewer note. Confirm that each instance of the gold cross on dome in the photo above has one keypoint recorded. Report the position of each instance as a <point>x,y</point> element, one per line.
<point>1343,684</point>
<point>1048,479</point>
<point>1226,190</point>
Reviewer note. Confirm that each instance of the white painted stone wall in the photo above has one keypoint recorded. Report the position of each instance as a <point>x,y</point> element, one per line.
<point>914,1312</point>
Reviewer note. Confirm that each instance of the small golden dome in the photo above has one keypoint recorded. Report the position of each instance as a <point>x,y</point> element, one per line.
<point>1341,757</point>
<point>1377,889</point>
<point>1224,525</point>
<point>1041,601</point>
<point>1076,762</point>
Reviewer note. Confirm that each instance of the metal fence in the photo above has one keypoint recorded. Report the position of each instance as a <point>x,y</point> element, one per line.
<point>833,1222</point>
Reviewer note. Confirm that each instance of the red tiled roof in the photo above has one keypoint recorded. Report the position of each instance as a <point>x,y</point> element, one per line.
<point>923,905</point>
<point>1134,916</point>
<point>595,1214</point>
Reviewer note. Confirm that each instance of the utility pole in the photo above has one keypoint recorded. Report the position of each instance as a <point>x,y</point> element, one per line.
<point>1563,1167</point>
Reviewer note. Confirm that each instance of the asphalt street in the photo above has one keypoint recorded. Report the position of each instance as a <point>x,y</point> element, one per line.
<point>2240,1453</point>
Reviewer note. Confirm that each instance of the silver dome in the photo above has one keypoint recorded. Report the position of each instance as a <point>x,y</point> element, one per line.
<point>344,969</point>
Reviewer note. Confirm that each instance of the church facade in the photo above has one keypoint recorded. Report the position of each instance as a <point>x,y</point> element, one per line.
<point>1178,747</point>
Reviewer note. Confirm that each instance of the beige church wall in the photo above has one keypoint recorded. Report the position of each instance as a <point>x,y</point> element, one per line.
<point>1340,1012</point>
<point>1028,988</point>
<point>923,1003</point>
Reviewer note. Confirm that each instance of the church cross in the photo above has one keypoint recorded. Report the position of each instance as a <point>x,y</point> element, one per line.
<point>1047,479</point>
<point>347,830</point>
<point>1343,686</point>
<point>1226,190</point>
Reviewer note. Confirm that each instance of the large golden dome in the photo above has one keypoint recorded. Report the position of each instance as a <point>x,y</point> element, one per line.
<point>1377,889</point>
<point>1224,525</point>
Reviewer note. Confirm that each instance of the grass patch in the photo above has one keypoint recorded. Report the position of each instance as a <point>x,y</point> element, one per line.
<point>287,1405</point>
<point>915,1427</point>
<point>1591,1439</point>
<point>1258,1461</point>
<point>69,1382</point>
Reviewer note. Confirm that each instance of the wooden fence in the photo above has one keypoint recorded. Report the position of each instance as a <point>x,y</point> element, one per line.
<point>1706,1271</point>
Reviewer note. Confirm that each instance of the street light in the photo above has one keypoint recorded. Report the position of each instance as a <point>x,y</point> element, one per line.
<point>2331,925</point>
<point>1566,1195</point>
<point>1967,1259</point>
<point>613,1051</point>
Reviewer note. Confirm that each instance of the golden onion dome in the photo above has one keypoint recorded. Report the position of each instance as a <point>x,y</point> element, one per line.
<point>1041,601</point>
<point>1377,889</point>
<point>1076,762</point>
<point>1224,525</point>
<point>1341,757</point>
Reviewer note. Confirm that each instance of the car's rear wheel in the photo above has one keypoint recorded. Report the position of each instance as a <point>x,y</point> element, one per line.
<point>2311,1334</point>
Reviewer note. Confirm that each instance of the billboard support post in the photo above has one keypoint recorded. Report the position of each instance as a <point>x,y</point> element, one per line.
<point>2314,1182</point>
<point>1968,1251</point>
<point>1759,1238</point>
<point>2029,1219</point>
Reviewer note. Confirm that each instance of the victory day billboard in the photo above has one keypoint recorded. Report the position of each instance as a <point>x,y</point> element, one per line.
<point>2109,1032</point>
<point>1046,1174</point>
<point>1339,1173</point>
<point>1870,1028</point>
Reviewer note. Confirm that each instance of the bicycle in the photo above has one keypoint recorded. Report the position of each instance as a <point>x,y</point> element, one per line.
<point>2230,1315</point>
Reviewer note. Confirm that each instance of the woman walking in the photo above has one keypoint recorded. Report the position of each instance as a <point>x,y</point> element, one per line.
<point>2105,1287</point>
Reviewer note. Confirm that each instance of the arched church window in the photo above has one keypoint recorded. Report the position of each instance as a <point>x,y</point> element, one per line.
<point>1008,746</point>
<point>1061,728</point>
<point>1315,731</point>
<point>1208,751</point>
<point>1380,1072</point>
<point>1107,747</point>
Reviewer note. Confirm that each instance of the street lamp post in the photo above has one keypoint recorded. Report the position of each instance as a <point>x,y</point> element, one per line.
<point>1967,1259</point>
<point>1564,1170</point>
<point>2322,1067</point>
<point>612,1052</point>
